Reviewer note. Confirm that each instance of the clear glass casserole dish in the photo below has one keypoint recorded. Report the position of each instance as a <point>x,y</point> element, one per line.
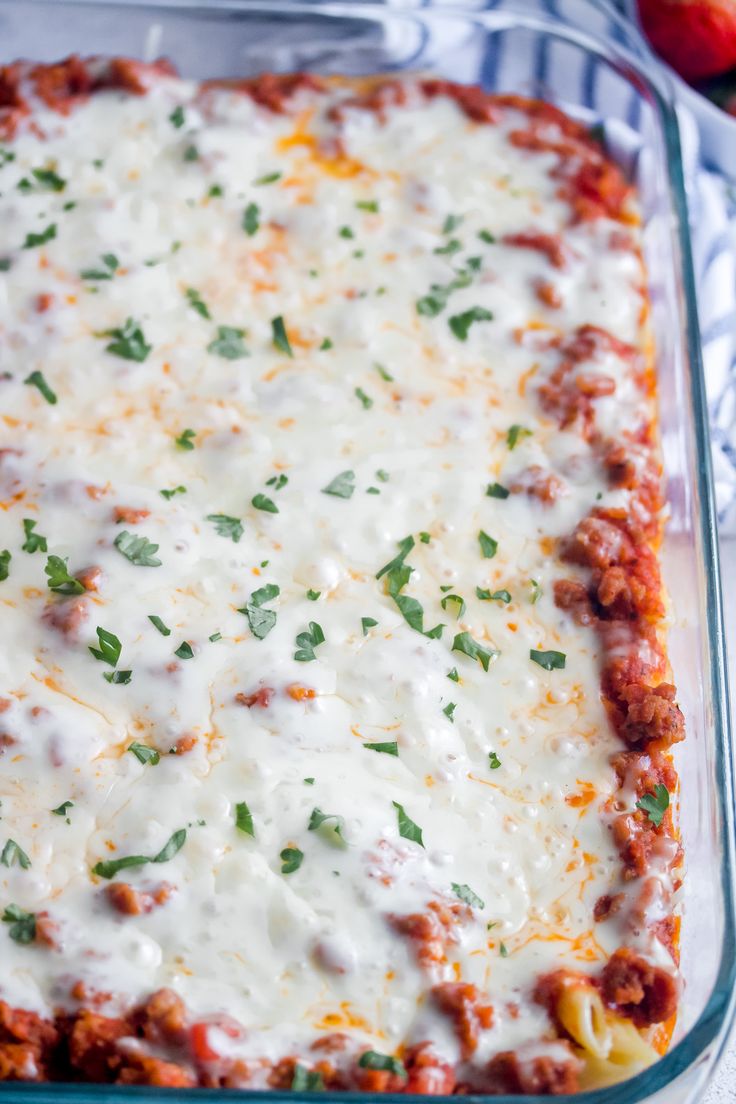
<point>584,58</point>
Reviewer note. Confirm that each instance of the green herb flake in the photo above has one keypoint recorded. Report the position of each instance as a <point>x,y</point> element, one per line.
<point>487,237</point>
<point>129,342</point>
<point>407,828</point>
<point>503,950</point>
<point>382,476</point>
<point>515,434</point>
<point>144,754</point>
<point>326,344</point>
<point>456,600</point>
<point>367,623</point>
<point>332,832</point>
<point>451,223</point>
<point>109,868</point>
<point>268,178</point>
<point>226,526</point>
<point>425,538</point>
<point>33,240</point>
<point>279,336</point>
<point>229,343</point>
<point>370,205</point>
<point>460,323</point>
<point>215,637</point>
<point>277,481</point>
<point>263,502</point>
<point>34,542</point>
<point>371,1059</point>
<point>495,490</point>
<point>215,191</point>
<point>551,661</point>
<point>251,219</point>
<point>139,550</point>
<point>62,810</point>
<point>495,596</point>
<point>303,1079</point>
<point>196,302</point>
<point>111,264</point>
<point>365,400</point>
<point>185,441</point>
<point>449,711</point>
<point>383,373</point>
<point>656,804</point>
<point>411,610</point>
<point>184,651</point>
<point>168,494</point>
<point>493,761</point>
<point>488,546</point>
<point>464,643</point>
<point>536,591</point>
<point>291,859</point>
<point>59,579</point>
<point>346,232</point>
<point>12,853</point>
<point>313,595</point>
<point>36,379</point>
<point>388,747</point>
<point>451,247</point>
<point>244,819</point>
<point>109,649</point>
<point>191,153</point>
<point>119,678</point>
<point>260,620</point>
<point>466,894</point>
<point>23,924</point>
<point>177,117</point>
<point>158,624</point>
<point>307,641</point>
<point>405,547</point>
<point>453,675</point>
<point>342,486</point>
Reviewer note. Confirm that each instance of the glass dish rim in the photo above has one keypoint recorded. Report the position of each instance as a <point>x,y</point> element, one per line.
<point>713,1024</point>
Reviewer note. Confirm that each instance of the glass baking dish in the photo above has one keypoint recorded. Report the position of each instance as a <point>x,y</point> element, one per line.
<point>584,57</point>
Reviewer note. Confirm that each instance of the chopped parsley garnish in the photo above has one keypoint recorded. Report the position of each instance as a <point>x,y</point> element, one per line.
<point>36,379</point>
<point>536,591</point>
<point>405,547</point>
<point>451,223</point>
<point>549,660</point>
<point>487,236</point>
<point>656,804</point>
<point>61,810</point>
<point>139,550</point>
<point>280,336</point>
<point>158,624</point>
<point>411,610</point>
<point>184,651</point>
<point>6,156</point>
<point>488,546</point>
<point>464,643</point>
<point>129,343</point>
<point>382,476</point>
<point>371,1059</point>
<point>368,205</point>
<point>449,711</point>
<point>227,526</point>
<point>303,1079</point>
<point>32,240</point>
<point>215,191</point>
<point>307,641</point>
<point>346,232</point>
<point>493,761</point>
<point>34,542</point>
<point>110,262</point>
<point>197,303</point>
<point>177,118</point>
<point>109,649</point>
<point>118,677</point>
<point>456,600</point>
<point>453,675</point>
<point>466,894</point>
<point>251,219</point>
<point>372,491</point>
<point>228,343</point>
<point>59,578</point>
<point>260,620</point>
<point>388,747</point>
<point>503,950</point>
<point>495,596</point>
<point>452,246</point>
<point>383,373</point>
<point>367,623</point>
<point>277,481</point>
<point>366,400</point>
<point>46,178</point>
<point>515,434</point>
<point>23,924</point>
<point>167,494</point>
<point>215,637</point>
<point>435,302</point>
<point>13,852</point>
<point>326,344</point>
<point>407,828</point>
<point>144,754</point>
<point>244,819</point>
<point>333,832</point>
<point>191,153</point>
<point>495,490</point>
<point>185,441</point>
<point>268,178</point>
<point>291,859</point>
<point>460,323</point>
<point>308,781</point>
<point>313,595</point>
<point>110,867</point>
<point>263,502</point>
<point>425,538</point>
<point>342,486</point>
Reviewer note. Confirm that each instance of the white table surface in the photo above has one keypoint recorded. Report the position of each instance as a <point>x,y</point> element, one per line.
<point>723,1087</point>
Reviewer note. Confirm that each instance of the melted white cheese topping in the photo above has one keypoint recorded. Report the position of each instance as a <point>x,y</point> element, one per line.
<point>347,241</point>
